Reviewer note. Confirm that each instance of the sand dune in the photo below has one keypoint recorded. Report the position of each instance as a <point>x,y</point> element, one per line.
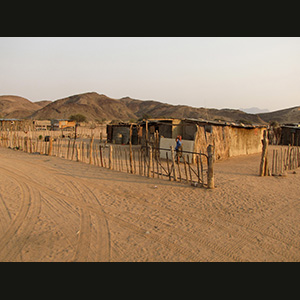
<point>58,210</point>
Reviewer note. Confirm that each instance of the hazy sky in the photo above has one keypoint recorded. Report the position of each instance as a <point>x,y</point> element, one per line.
<point>225,72</point>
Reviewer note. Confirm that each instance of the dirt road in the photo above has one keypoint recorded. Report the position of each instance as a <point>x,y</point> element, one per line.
<point>57,210</point>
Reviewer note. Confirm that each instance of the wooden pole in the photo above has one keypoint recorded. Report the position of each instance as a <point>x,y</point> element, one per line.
<point>273,163</point>
<point>101,158</point>
<point>50,146</point>
<point>169,173</point>
<point>145,161</point>
<point>134,161</point>
<point>130,153</point>
<point>140,161</point>
<point>198,168</point>
<point>77,152</point>
<point>210,168</point>
<point>179,170</point>
<point>281,161</point>
<point>91,149</point>
<point>190,172</point>
<point>173,162</point>
<point>73,149</point>
<point>110,157</point>
<point>201,166</point>
<point>150,161</point>
<point>127,168</point>
<point>185,169</point>
<point>262,171</point>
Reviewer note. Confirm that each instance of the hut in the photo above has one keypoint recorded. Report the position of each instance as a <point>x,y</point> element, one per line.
<point>58,124</point>
<point>228,139</point>
<point>42,124</point>
<point>15,125</point>
<point>290,134</point>
<point>120,133</point>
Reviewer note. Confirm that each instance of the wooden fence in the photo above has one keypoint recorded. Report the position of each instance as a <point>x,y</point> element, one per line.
<point>283,159</point>
<point>143,161</point>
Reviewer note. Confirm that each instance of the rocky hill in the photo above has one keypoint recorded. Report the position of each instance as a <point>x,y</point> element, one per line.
<point>289,115</point>
<point>157,109</point>
<point>92,105</point>
<point>15,107</point>
<point>96,107</point>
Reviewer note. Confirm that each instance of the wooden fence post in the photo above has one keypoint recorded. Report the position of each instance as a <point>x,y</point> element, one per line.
<point>50,146</point>
<point>130,153</point>
<point>91,149</point>
<point>110,157</point>
<point>173,162</point>
<point>101,158</point>
<point>78,154</point>
<point>264,162</point>
<point>210,168</point>
<point>150,161</point>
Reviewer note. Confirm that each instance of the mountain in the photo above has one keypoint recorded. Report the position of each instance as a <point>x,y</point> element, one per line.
<point>157,109</point>
<point>254,110</point>
<point>16,107</point>
<point>92,105</point>
<point>289,115</point>
<point>96,106</point>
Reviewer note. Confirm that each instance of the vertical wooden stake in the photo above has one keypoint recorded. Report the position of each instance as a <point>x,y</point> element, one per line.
<point>210,168</point>
<point>173,162</point>
<point>130,154</point>
<point>262,171</point>
<point>73,149</point>
<point>273,163</point>
<point>91,149</point>
<point>50,146</point>
<point>185,169</point>
<point>134,161</point>
<point>190,172</point>
<point>101,158</point>
<point>169,173</point>
<point>201,166</point>
<point>110,157</point>
<point>127,168</point>
<point>198,168</point>
<point>150,161</point>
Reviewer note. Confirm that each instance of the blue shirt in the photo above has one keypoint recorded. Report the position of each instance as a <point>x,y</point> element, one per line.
<point>178,144</point>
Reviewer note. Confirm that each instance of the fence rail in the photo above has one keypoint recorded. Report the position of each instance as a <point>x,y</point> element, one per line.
<point>143,161</point>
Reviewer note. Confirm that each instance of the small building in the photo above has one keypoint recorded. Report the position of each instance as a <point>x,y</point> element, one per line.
<point>290,134</point>
<point>120,133</point>
<point>15,125</point>
<point>58,124</point>
<point>228,139</point>
<point>42,124</point>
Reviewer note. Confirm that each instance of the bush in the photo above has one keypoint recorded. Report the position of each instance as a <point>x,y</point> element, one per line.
<point>78,118</point>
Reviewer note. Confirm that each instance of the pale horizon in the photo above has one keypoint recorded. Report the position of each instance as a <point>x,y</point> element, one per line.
<point>234,72</point>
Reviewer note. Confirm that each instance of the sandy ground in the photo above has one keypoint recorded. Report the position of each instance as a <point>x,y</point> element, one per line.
<point>53,209</point>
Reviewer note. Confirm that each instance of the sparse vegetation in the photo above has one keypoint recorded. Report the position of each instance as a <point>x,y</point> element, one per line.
<point>78,118</point>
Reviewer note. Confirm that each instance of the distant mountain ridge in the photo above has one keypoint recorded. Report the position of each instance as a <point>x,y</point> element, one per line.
<point>254,110</point>
<point>99,107</point>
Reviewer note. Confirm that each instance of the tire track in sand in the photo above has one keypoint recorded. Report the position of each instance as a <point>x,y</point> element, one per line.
<point>100,245</point>
<point>14,239</point>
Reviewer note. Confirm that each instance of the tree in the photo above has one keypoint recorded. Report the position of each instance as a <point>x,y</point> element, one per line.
<point>78,118</point>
